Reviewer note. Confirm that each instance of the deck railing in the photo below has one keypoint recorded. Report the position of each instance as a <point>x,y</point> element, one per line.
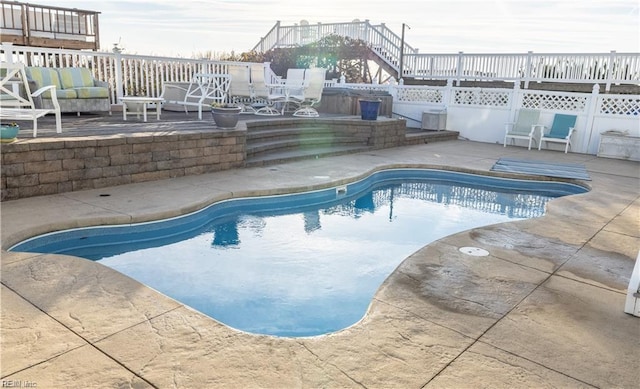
<point>605,68</point>
<point>126,74</point>
<point>47,26</point>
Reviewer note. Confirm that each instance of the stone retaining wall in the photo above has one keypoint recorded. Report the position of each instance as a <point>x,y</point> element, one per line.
<point>35,167</point>
<point>45,166</point>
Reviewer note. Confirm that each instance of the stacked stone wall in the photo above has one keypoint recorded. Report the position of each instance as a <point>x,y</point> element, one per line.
<point>42,167</point>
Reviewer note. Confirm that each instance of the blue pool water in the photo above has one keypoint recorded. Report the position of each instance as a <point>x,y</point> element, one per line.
<point>302,264</point>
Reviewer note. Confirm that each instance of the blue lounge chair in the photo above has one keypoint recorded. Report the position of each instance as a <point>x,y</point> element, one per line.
<point>561,130</point>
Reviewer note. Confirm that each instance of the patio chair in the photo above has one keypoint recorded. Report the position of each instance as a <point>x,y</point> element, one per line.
<point>295,84</point>
<point>261,91</point>
<point>16,106</point>
<point>203,89</point>
<point>524,127</point>
<point>240,89</point>
<point>561,130</point>
<point>288,92</point>
<point>312,93</point>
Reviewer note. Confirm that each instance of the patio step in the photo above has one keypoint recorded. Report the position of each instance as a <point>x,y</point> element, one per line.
<point>276,145</point>
<point>291,155</point>
<point>416,136</point>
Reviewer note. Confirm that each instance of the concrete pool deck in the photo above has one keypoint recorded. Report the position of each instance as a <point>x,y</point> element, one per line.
<point>544,309</point>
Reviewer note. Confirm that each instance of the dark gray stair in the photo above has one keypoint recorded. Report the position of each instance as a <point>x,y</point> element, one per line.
<point>276,145</point>
<point>298,154</point>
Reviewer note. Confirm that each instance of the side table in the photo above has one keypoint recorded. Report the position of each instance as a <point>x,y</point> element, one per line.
<point>140,102</point>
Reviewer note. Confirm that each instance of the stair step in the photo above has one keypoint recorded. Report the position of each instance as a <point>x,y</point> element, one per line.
<point>287,132</point>
<point>298,154</point>
<point>277,145</point>
<point>255,148</point>
<point>428,136</point>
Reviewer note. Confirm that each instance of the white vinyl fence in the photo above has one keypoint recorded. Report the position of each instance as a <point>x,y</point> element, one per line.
<point>479,114</point>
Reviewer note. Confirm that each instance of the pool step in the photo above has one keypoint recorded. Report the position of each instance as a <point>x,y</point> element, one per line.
<point>277,145</point>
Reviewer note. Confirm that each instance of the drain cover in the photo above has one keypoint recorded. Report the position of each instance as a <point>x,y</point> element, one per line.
<point>475,251</point>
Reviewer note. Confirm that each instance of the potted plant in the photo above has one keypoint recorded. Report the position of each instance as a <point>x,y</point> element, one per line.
<point>225,115</point>
<point>8,132</point>
<point>369,106</point>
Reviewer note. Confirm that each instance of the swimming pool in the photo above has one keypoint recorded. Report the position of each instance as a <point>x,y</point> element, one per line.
<point>302,264</point>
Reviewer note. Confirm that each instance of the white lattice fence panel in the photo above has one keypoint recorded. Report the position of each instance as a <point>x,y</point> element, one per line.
<point>419,95</point>
<point>619,106</point>
<point>484,98</point>
<point>554,102</point>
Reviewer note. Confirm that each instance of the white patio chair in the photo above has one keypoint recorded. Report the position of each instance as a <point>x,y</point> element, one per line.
<point>261,91</point>
<point>524,127</point>
<point>295,85</point>
<point>203,89</point>
<point>15,106</point>
<point>241,89</point>
<point>287,93</point>
<point>314,80</point>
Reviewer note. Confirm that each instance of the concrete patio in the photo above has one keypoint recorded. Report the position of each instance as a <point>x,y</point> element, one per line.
<point>544,309</point>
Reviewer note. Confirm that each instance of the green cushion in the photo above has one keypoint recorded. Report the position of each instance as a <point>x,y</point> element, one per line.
<point>42,77</point>
<point>75,77</point>
<point>92,92</point>
<point>63,94</point>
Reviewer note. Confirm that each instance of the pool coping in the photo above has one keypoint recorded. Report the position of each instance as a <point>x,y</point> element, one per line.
<point>411,335</point>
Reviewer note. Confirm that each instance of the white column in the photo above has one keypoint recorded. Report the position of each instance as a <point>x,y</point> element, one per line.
<point>591,141</point>
<point>7,47</point>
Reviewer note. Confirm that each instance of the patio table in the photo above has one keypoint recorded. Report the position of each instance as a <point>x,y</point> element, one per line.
<point>141,102</point>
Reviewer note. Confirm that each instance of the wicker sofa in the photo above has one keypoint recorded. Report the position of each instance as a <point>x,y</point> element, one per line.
<point>76,89</point>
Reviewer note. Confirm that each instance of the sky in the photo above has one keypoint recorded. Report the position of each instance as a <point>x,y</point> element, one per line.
<point>191,28</point>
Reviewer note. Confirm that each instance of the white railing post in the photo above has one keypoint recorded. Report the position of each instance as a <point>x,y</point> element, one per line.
<point>392,88</point>
<point>366,37</point>
<point>590,117</point>
<point>119,75</point>
<point>277,34</point>
<point>527,71</point>
<point>446,96</point>
<point>516,100</point>
<point>460,67</point>
<point>7,47</point>
<point>612,58</point>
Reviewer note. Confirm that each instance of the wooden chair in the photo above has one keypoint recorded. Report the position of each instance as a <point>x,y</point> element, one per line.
<point>16,106</point>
